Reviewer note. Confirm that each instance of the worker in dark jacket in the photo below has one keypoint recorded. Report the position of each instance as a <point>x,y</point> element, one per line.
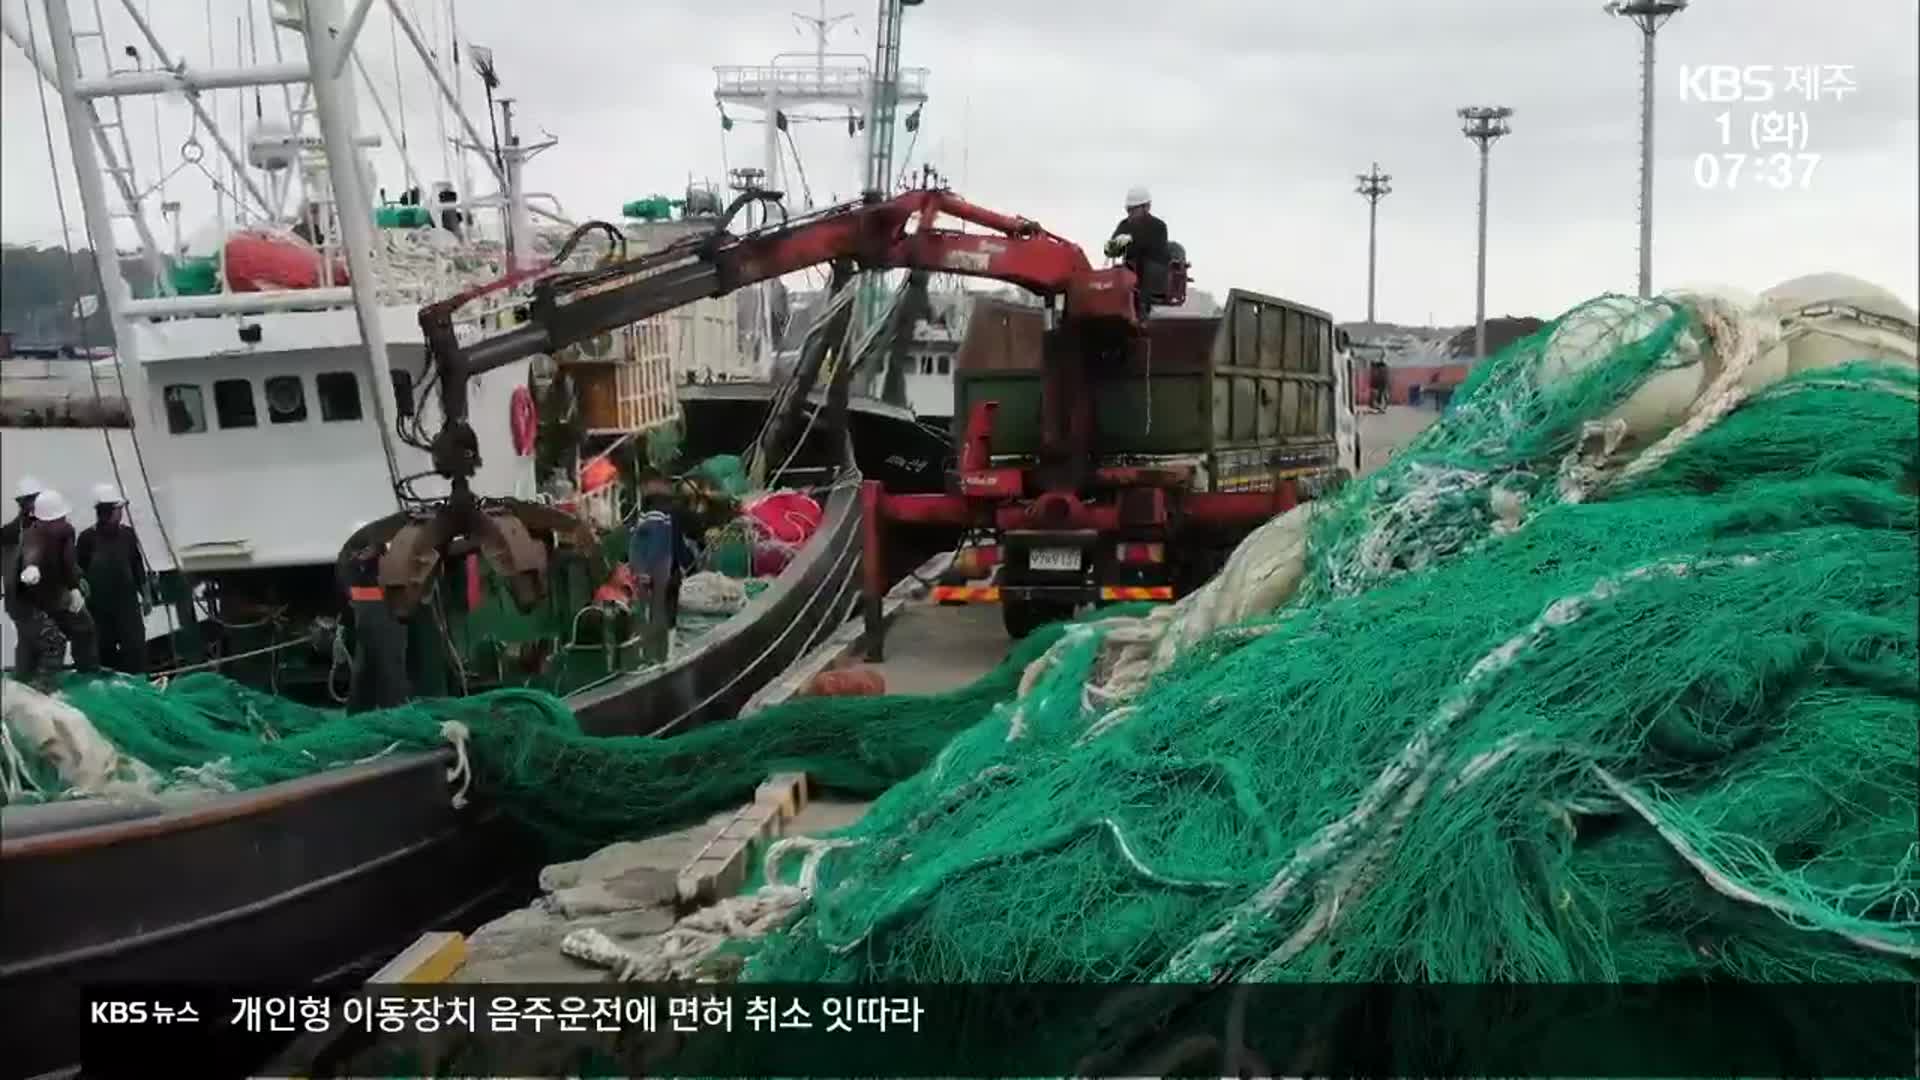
<point>11,535</point>
<point>115,570</point>
<point>1140,241</point>
<point>53,607</point>
<point>379,637</point>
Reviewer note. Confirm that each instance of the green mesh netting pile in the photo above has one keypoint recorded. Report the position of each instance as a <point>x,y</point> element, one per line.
<point>1535,715</point>
<point>526,751</point>
<point>1557,700</point>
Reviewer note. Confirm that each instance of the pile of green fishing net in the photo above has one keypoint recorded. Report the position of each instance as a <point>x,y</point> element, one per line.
<point>1662,731</point>
<point>1515,727</point>
<point>527,753</point>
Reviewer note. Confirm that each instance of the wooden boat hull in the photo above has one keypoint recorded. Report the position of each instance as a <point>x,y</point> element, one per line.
<point>318,878</point>
<point>310,881</point>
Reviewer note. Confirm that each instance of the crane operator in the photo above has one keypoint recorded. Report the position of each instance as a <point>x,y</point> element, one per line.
<point>1140,241</point>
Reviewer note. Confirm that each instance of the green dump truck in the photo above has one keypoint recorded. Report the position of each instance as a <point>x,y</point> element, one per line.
<point>1218,422</point>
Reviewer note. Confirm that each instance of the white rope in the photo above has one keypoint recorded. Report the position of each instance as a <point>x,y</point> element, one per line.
<point>1738,341</point>
<point>1140,866</point>
<point>16,779</point>
<point>377,755</point>
<point>340,657</point>
<point>1583,467</point>
<point>1880,386</point>
<point>679,953</point>
<point>816,849</point>
<point>1105,724</point>
<point>1725,885</point>
<point>160,676</point>
<point>456,733</point>
<point>213,775</point>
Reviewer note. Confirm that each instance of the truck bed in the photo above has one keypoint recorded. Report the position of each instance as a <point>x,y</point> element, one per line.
<point>1249,393</point>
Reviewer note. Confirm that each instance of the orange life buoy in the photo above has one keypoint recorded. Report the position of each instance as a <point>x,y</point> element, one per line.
<point>525,421</point>
<point>597,474</point>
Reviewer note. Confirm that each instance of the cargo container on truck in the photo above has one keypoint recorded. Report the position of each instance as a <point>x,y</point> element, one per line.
<point>1204,429</point>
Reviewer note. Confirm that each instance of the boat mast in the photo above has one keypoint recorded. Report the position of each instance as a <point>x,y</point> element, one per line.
<point>520,253</point>
<point>328,51</point>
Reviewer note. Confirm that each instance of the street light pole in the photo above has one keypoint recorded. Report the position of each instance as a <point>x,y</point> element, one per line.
<point>1484,124</point>
<point>1649,16</point>
<point>1373,187</point>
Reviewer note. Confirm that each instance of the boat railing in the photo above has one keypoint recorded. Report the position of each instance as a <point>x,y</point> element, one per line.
<point>769,80</point>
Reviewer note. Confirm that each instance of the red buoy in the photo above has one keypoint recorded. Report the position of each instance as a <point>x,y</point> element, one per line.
<point>525,420</point>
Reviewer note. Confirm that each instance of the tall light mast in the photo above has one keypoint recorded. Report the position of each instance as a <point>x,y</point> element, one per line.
<point>1484,124</point>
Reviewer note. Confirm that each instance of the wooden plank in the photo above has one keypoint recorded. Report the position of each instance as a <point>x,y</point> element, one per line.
<point>432,959</point>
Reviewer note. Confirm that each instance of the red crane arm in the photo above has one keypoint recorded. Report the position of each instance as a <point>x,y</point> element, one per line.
<point>897,233</point>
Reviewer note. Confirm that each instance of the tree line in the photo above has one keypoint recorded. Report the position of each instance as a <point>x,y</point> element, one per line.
<point>40,288</point>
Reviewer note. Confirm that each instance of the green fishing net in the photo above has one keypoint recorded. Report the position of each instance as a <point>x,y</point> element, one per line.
<point>578,792</point>
<point>726,473</point>
<point>1666,732</point>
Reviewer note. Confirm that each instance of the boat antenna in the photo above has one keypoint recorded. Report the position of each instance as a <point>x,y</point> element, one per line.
<point>489,78</point>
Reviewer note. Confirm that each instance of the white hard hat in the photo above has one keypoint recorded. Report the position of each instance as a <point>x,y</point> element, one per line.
<point>29,486</point>
<point>1138,196</point>
<point>49,506</point>
<point>107,495</point>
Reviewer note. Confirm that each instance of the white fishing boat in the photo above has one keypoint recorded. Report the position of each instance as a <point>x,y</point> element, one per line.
<point>272,393</point>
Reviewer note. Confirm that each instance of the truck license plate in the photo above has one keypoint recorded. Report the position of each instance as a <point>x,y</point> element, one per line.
<point>1054,559</point>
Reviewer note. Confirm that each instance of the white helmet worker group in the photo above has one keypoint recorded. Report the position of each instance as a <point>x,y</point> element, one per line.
<point>50,505</point>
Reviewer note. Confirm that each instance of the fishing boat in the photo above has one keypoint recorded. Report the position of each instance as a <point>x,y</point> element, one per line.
<point>269,412</point>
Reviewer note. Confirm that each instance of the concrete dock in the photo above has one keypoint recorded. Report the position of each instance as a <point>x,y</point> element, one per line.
<point>636,890</point>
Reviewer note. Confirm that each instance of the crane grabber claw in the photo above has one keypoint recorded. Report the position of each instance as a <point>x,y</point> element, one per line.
<point>511,535</point>
<point>507,534</point>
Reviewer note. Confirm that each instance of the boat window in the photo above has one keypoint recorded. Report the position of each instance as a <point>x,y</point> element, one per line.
<point>233,403</point>
<point>339,395</point>
<point>402,391</point>
<point>944,366</point>
<point>186,409</point>
<point>286,399</point>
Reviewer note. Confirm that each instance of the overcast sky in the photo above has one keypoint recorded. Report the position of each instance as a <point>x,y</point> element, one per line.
<point>1248,121</point>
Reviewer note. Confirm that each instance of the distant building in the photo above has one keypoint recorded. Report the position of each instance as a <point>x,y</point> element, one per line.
<point>1419,362</point>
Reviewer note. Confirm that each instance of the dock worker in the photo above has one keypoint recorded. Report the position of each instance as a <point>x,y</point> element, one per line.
<point>52,605</point>
<point>379,637</point>
<point>1140,241</point>
<point>115,570</point>
<point>11,535</point>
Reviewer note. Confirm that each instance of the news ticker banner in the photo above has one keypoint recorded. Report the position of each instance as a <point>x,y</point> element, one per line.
<point>824,1030</point>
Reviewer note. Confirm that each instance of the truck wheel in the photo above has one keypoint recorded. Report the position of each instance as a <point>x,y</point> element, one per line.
<point>1017,617</point>
<point>1022,617</point>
